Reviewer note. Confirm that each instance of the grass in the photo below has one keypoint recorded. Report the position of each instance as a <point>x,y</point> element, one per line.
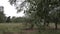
<point>17,28</point>
<point>13,28</point>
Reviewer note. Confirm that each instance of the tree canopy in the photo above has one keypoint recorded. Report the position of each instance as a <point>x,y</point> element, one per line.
<point>48,10</point>
<point>2,17</point>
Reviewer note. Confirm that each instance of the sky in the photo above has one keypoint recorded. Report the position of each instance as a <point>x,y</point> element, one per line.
<point>10,10</point>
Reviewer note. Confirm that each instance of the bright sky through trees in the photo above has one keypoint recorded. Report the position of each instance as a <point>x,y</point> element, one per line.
<point>10,10</point>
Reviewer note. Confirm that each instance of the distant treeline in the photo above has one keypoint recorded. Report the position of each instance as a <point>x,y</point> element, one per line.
<point>20,20</point>
<point>4,19</point>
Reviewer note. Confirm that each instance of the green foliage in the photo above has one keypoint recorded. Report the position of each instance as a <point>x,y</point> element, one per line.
<point>19,20</point>
<point>48,10</point>
<point>2,17</point>
<point>8,19</point>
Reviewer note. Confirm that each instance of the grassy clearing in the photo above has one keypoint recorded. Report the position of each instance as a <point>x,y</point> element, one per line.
<point>17,28</point>
<point>13,28</point>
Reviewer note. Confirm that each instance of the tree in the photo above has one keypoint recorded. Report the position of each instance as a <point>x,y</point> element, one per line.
<point>2,15</point>
<point>8,19</point>
<point>40,9</point>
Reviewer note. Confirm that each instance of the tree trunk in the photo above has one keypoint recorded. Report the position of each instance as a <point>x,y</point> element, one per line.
<point>32,25</point>
<point>47,23</point>
<point>44,23</point>
<point>56,25</point>
<point>44,20</point>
